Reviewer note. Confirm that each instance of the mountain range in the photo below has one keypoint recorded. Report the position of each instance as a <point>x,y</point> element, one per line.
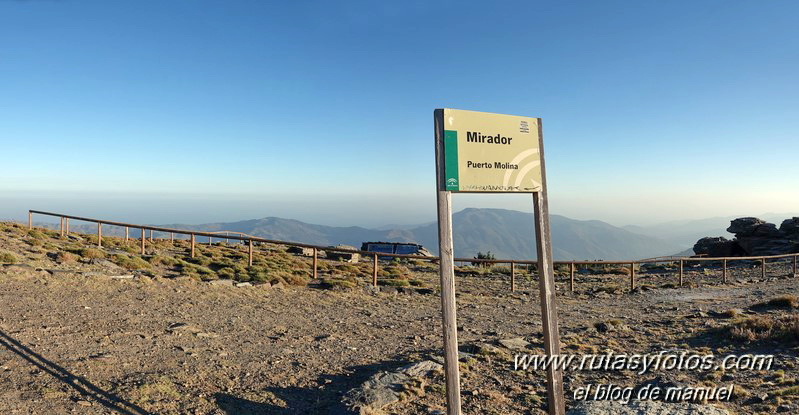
<point>505,233</point>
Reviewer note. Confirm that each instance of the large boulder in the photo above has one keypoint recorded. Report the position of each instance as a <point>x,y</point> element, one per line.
<point>767,230</point>
<point>745,226</point>
<point>714,246</point>
<point>764,246</point>
<point>790,227</point>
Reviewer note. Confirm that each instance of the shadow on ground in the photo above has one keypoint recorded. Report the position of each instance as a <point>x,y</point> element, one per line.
<point>325,400</point>
<point>88,390</point>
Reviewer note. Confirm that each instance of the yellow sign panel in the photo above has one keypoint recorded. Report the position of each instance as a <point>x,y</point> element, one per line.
<point>486,152</point>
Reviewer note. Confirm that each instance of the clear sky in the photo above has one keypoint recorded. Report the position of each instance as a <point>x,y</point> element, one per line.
<point>192,111</point>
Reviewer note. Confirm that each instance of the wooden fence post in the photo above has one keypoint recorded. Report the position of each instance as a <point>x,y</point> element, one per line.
<point>724,271</point>
<point>172,237</point>
<point>763,268</point>
<point>30,220</point>
<point>143,238</point>
<point>794,265</point>
<point>250,252</point>
<point>151,235</point>
<point>632,276</point>
<point>512,276</point>
<point>374,271</point>
<point>681,271</point>
<point>192,245</point>
<point>210,240</point>
<point>61,226</point>
<point>314,262</point>
<point>127,234</point>
<point>66,225</point>
<point>571,276</point>
<point>99,234</point>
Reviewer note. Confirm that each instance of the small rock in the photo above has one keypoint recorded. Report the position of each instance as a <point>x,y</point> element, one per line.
<point>243,284</point>
<point>122,277</point>
<point>227,283</point>
<point>278,285</point>
<point>516,343</point>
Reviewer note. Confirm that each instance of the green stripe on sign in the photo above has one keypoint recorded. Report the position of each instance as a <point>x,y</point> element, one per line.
<point>451,160</point>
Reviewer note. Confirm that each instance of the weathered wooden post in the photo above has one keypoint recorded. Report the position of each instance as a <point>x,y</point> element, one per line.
<point>61,226</point>
<point>143,239</point>
<point>172,237</point>
<point>250,252</point>
<point>763,268</point>
<point>315,253</point>
<point>632,276</point>
<point>66,225</point>
<point>30,220</point>
<point>724,271</point>
<point>99,234</point>
<point>127,234</point>
<point>571,276</point>
<point>192,245</point>
<point>151,235</point>
<point>794,265</point>
<point>210,240</point>
<point>681,271</point>
<point>512,276</point>
<point>374,270</point>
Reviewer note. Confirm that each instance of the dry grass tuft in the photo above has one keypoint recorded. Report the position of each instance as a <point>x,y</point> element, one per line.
<point>63,257</point>
<point>783,301</point>
<point>91,253</point>
<point>8,258</point>
<point>783,329</point>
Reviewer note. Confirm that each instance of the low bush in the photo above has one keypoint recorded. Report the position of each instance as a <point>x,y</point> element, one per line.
<point>91,253</point>
<point>131,263</point>
<point>165,260</point>
<point>63,257</point>
<point>783,301</point>
<point>338,283</point>
<point>394,282</point>
<point>782,329</point>
<point>8,258</point>
<point>36,234</point>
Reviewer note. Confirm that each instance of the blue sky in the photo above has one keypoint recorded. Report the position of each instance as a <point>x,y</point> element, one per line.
<point>192,111</point>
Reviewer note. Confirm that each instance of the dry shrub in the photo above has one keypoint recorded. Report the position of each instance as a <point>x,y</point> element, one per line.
<point>63,257</point>
<point>92,253</point>
<point>783,301</point>
<point>36,234</point>
<point>164,260</point>
<point>8,258</point>
<point>784,329</point>
<point>132,263</point>
<point>338,282</point>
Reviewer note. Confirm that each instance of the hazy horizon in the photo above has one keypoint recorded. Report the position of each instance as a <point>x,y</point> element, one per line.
<point>198,209</point>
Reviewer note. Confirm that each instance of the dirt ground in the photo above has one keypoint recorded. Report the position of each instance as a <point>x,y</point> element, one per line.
<point>75,340</point>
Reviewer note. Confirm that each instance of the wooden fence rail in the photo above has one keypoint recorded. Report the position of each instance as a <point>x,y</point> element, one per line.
<point>249,239</point>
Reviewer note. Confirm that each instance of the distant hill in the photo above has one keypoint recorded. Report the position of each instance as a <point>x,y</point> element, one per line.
<point>506,233</point>
<point>510,234</point>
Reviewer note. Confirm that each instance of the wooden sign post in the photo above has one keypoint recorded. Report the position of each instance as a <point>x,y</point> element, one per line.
<point>491,153</point>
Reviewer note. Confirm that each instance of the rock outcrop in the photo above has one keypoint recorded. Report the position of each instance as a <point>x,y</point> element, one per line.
<point>753,237</point>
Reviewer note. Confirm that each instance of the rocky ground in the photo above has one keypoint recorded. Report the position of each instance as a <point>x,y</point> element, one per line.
<point>96,333</point>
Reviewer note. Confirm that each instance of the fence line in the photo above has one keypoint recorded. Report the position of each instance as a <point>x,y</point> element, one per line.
<point>64,228</point>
